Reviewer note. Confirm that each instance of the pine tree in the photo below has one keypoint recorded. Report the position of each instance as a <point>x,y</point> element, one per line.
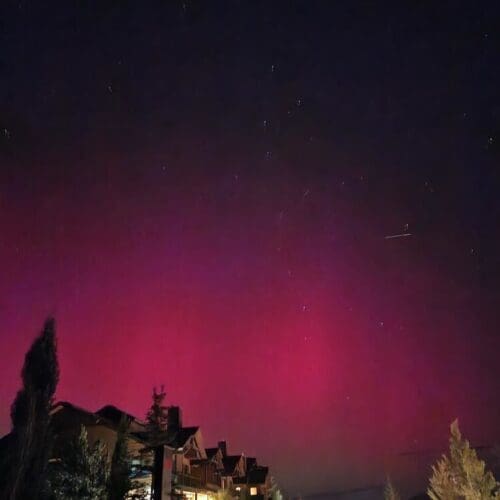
<point>390,492</point>
<point>119,479</point>
<point>461,474</point>
<point>157,420</point>
<point>82,472</point>
<point>157,415</point>
<point>30,415</point>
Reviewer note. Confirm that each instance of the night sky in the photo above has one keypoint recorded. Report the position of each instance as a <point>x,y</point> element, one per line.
<point>200,192</point>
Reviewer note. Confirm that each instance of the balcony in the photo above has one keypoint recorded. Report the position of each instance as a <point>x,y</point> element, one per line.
<point>189,481</point>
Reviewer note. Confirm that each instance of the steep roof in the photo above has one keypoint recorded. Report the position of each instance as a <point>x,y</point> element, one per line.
<point>114,414</point>
<point>181,437</point>
<point>230,462</point>
<point>251,463</point>
<point>66,415</point>
<point>175,439</point>
<point>211,452</point>
<point>258,475</point>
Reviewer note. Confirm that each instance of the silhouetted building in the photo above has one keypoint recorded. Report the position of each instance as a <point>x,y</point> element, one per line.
<point>175,465</point>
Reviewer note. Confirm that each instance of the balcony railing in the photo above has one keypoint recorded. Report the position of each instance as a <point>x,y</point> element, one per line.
<point>194,482</point>
<point>187,480</point>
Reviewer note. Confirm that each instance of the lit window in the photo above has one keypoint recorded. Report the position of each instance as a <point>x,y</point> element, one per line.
<point>253,491</point>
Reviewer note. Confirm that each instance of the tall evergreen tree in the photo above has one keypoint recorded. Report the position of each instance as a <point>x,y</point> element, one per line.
<point>157,420</point>
<point>83,471</point>
<point>157,415</point>
<point>119,479</point>
<point>30,415</point>
<point>461,474</point>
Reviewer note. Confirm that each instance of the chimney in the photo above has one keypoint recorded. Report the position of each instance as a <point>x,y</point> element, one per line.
<point>174,418</point>
<point>222,447</point>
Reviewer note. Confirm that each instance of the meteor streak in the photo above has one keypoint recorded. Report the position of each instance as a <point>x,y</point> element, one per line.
<point>402,235</point>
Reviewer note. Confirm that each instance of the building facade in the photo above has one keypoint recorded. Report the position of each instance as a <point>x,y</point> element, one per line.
<point>172,466</point>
